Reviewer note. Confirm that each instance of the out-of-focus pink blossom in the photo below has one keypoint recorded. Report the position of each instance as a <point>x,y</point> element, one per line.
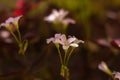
<point>5,36</point>
<point>103,42</point>
<point>11,23</point>
<point>115,43</point>
<point>111,15</point>
<point>116,75</point>
<point>59,16</point>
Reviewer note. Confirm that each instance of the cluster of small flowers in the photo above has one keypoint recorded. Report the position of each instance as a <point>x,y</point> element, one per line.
<point>56,16</point>
<point>66,43</point>
<point>59,39</point>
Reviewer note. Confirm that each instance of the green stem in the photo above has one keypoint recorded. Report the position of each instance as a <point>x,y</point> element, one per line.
<point>14,36</point>
<point>57,45</point>
<point>69,56</point>
<point>21,51</point>
<point>19,35</point>
<point>65,56</point>
<point>65,72</point>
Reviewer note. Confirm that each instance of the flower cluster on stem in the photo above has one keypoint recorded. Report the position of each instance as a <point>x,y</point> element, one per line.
<point>11,24</point>
<point>68,45</point>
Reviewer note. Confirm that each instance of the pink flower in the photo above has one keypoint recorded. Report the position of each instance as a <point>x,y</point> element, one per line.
<point>71,41</point>
<point>5,36</point>
<point>116,75</point>
<point>66,43</point>
<point>115,43</point>
<point>11,22</point>
<point>59,16</point>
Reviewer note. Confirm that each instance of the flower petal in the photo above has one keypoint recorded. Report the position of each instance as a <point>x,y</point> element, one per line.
<point>50,40</point>
<point>71,39</point>
<point>117,75</point>
<point>74,45</point>
<point>68,21</point>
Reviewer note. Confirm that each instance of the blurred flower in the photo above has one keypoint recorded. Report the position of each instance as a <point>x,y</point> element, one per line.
<point>67,21</point>
<point>103,42</point>
<point>116,43</point>
<point>5,35</point>
<point>19,8</point>
<point>109,43</point>
<point>66,43</point>
<point>103,67</point>
<point>59,16</point>
<point>11,23</point>
<point>22,6</point>
<point>111,15</point>
<point>116,75</point>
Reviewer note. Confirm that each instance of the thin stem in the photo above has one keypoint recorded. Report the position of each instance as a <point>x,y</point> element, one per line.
<point>67,76</point>
<point>69,56</point>
<point>65,72</point>
<point>14,36</point>
<point>18,42</point>
<point>57,45</point>
<point>65,56</point>
<point>21,51</point>
<point>19,35</point>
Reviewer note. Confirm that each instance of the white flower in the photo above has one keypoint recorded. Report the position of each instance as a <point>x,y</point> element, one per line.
<point>66,43</point>
<point>5,35</point>
<point>116,75</point>
<point>59,16</point>
<point>103,67</point>
<point>10,22</point>
<point>55,39</point>
<point>71,41</point>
